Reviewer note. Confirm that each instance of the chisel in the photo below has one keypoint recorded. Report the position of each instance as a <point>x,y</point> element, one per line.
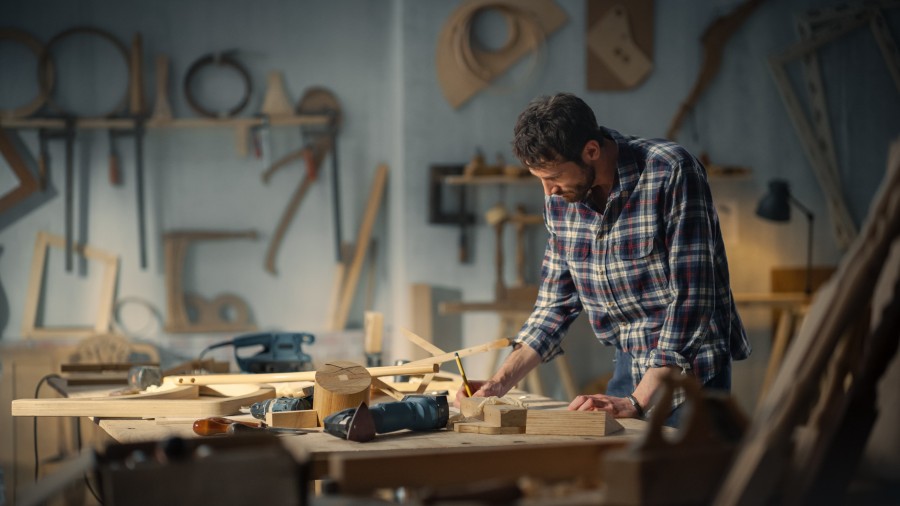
<point>215,425</point>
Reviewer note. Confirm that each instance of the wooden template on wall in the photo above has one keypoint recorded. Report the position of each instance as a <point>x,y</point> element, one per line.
<point>30,328</point>
<point>619,40</point>
<point>28,182</point>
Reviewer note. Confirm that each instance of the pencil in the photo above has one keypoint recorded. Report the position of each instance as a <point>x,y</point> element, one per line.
<point>462,373</point>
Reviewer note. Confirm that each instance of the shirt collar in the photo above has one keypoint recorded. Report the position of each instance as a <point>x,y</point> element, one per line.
<point>627,166</point>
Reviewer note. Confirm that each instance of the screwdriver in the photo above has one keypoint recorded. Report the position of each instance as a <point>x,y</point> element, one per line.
<point>220,425</point>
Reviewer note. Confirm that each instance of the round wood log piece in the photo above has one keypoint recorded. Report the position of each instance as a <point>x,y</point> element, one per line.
<point>340,385</point>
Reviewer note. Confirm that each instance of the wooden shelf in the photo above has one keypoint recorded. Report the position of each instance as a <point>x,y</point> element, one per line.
<point>484,180</point>
<point>128,123</point>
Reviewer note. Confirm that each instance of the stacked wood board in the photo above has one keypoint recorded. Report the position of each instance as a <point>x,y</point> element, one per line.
<point>486,418</point>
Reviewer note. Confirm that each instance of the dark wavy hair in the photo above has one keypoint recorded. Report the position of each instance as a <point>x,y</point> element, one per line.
<point>554,128</point>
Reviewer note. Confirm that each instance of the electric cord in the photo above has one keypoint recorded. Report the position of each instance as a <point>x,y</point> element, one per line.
<point>78,441</point>
<point>212,347</point>
<point>37,390</point>
<point>78,444</point>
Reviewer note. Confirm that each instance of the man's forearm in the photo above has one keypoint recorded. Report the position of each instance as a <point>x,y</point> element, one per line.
<point>649,383</point>
<point>516,366</point>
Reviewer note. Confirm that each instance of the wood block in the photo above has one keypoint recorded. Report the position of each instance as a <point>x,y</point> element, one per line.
<point>501,415</point>
<point>570,423</point>
<point>484,428</point>
<point>470,407</point>
<point>340,385</point>
<point>303,419</point>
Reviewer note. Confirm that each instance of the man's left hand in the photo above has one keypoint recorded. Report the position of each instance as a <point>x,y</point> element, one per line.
<point>618,407</point>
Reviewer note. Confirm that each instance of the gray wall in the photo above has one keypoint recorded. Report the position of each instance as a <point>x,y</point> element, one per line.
<point>378,57</point>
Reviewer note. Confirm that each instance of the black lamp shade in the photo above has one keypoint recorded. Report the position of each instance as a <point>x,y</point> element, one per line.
<point>775,205</point>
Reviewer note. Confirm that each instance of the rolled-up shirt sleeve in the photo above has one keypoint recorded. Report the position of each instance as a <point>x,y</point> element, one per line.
<point>690,242</point>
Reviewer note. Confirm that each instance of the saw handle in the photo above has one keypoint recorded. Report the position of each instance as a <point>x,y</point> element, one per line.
<point>218,425</point>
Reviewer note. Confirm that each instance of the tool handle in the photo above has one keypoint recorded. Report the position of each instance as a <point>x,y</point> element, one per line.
<point>218,425</point>
<point>42,170</point>
<point>115,174</point>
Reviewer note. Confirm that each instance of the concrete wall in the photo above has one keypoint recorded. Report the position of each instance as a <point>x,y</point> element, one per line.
<point>378,58</point>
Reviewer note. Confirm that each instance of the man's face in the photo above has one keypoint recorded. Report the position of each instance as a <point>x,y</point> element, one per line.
<point>569,180</point>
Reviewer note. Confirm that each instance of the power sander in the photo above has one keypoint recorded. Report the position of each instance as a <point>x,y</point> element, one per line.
<point>413,412</point>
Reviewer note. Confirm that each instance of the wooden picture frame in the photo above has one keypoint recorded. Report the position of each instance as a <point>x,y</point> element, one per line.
<point>28,182</point>
<point>30,328</point>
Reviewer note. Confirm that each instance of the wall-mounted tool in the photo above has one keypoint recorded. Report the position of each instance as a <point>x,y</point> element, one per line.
<point>278,352</point>
<point>312,157</point>
<point>414,412</point>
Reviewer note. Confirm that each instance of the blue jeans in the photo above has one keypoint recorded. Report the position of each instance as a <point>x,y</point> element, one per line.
<point>621,384</point>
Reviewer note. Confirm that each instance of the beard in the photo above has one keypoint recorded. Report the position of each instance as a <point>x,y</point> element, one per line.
<point>582,188</point>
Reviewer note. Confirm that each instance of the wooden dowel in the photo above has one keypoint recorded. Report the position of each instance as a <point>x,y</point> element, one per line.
<point>221,379</point>
<point>446,357</point>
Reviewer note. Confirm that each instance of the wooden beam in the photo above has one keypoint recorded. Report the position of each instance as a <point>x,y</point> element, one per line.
<point>349,281</point>
<point>281,377</point>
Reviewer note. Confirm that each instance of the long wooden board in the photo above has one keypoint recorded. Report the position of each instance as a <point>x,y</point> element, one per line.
<point>131,407</point>
<point>280,377</point>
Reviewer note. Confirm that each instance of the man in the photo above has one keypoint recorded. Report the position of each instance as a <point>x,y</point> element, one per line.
<point>635,242</point>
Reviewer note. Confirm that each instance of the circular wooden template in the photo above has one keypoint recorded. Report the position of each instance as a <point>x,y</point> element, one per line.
<point>343,378</point>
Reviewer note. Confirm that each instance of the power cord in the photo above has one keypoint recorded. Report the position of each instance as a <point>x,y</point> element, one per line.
<point>37,390</point>
<point>87,482</point>
<point>78,442</point>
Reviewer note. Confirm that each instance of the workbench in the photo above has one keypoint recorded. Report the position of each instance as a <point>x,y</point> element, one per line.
<point>322,448</point>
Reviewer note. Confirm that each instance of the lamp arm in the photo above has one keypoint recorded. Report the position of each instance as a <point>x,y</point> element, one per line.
<point>809,241</point>
<point>806,210</point>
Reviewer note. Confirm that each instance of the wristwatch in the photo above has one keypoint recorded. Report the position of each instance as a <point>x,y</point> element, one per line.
<point>637,405</point>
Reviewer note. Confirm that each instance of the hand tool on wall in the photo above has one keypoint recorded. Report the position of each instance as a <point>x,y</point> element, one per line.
<point>322,101</point>
<point>27,182</point>
<point>311,158</point>
<point>114,170</point>
<point>68,136</point>
<point>115,176</point>
<point>714,39</point>
<point>414,412</point>
<point>220,59</point>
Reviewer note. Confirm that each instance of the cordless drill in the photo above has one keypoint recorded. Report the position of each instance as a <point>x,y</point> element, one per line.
<point>414,412</point>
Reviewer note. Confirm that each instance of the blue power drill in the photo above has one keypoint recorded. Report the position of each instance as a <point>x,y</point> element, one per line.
<point>413,412</point>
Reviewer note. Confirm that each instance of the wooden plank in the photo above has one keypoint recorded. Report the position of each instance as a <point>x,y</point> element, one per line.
<point>570,423</point>
<point>349,282</point>
<point>486,428</point>
<point>496,344</point>
<point>281,377</point>
<point>303,419</point>
<point>139,408</point>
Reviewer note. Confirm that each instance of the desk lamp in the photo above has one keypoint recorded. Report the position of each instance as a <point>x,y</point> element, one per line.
<point>776,206</point>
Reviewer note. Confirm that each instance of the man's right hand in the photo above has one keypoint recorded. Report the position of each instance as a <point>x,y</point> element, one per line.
<point>480,389</point>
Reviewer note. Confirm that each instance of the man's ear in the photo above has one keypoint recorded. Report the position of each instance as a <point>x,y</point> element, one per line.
<point>591,151</point>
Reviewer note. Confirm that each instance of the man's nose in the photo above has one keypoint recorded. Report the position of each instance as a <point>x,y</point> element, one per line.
<point>549,187</point>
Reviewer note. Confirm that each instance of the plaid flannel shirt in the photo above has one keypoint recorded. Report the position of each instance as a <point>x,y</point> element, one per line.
<point>650,270</point>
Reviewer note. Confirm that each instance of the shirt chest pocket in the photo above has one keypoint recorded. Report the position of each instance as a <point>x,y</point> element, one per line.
<point>638,266</point>
<point>573,249</point>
